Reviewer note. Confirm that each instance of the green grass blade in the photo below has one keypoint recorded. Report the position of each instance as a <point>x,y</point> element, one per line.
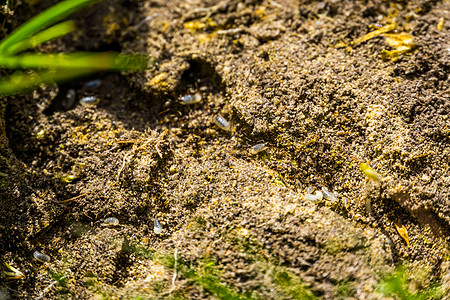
<point>20,82</point>
<point>78,60</point>
<point>46,35</point>
<point>42,21</point>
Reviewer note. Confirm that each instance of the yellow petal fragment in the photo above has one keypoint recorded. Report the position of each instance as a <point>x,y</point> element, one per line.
<point>369,172</point>
<point>403,233</point>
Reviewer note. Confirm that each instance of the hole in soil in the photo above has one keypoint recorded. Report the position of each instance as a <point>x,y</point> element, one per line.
<point>122,262</point>
<point>201,74</point>
<point>114,46</point>
<point>69,93</point>
<point>201,84</point>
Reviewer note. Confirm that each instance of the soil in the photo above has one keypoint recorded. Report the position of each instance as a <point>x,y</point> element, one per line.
<point>293,75</point>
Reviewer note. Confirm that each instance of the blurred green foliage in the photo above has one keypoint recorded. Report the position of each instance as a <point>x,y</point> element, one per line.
<point>399,286</point>
<point>34,69</point>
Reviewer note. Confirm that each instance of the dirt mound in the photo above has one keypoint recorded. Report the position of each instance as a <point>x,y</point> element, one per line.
<point>321,87</point>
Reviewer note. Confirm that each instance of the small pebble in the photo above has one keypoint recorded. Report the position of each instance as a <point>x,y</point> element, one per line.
<point>157,228</point>
<point>110,222</point>
<point>222,123</point>
<point>310,190</point>
<point>190,99</point>
<point>90,100</point>
<point>93,84</point>
<point>258,148</point>
<point>41,257</point>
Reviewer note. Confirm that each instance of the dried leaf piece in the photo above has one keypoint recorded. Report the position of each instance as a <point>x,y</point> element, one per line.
<point>402,42</point>
<point>403,233</point>
<point>398,40</point>
<point>8,271</point>
<point>375,33</point>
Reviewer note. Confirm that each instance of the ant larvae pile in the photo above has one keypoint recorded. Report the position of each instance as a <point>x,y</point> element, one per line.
<point>318,196</point>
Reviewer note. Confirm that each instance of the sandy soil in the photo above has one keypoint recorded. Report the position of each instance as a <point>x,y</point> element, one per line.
<point>301,77</point>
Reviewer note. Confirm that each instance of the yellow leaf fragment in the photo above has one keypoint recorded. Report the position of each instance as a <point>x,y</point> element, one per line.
<point>10,272</point>
<point>440,24</point>
<point>403,233</point>
<point>402,42</point>
<point>369,172</point>
<point>158,80</point>
<point>375,33</point>
<point>197,26</point>
<point>243,232</point>
<point>398,40</point>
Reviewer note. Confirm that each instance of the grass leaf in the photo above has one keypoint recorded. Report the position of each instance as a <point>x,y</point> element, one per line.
<point>57,67</point>
<point>78,60</point>
<point>69,69</point>
<point>46,35</point>
<point>42,21</point>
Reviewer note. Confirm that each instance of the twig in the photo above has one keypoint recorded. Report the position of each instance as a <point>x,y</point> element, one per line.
<point>127,158</point>
<point>74,198</point>
<point>123,165</point>
<point>41,295</point>
<point>131,155</point>
<point>175,273</point>
<point>231,31</point>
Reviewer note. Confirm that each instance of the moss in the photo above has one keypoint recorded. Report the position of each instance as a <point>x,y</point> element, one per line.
<point>345,289</point>
<point>399,285</point>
